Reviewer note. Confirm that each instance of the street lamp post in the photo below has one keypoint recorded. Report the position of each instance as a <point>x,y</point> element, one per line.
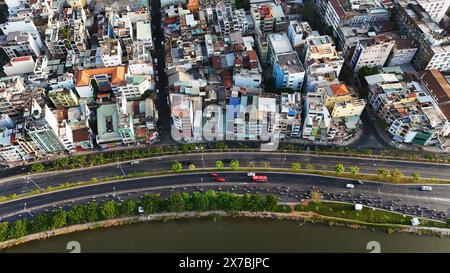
<point>287,193</point>
<point>28,179</point>
<point>120,167</point>
<point>203,162</point>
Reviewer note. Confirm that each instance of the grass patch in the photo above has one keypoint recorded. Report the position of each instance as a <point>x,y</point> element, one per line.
<point>368,215</point>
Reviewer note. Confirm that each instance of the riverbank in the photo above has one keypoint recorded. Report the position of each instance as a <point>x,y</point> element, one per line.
<point>302,217</point>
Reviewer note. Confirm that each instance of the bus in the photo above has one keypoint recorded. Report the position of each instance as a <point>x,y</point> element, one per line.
<point>258,178</point>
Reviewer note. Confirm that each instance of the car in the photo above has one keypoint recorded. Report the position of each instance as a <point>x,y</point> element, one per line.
<point>140,210</point>
<point>227,160</point>
<point>251,174</point>
<point>220,179</point>
<point>186,162</point>
<point>155,60</point>
<point>213,174</point>
<point>426,188</point>
<point>134,162</point>
<point>350,186</point>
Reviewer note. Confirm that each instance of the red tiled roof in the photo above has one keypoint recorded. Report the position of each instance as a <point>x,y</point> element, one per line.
<point>20,59</point>
<point>439,87</point>
<point>338,8</point>
<point>339,89</point>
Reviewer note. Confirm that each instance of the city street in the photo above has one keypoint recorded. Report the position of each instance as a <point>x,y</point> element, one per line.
<point>407,199</point>
<point>21,184</point>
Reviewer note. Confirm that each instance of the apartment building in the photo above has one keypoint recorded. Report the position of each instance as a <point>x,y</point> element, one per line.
<point>298,32</point>
<point>372,52</point>
<point>355,13</point>
<point>287,70</point>
<point>433,42</point>
<point>135,86</point>
<point>323,63</point>
<point>110,53</point>
<point>186,112</point>
<point>19,66</point>
<point>24,26</point>
<point>410,112</point>
<point>63,98</point>
<point>403,51</point>
<point>317,119</point>
<point>348,109</point>
<point>18,43</point>
<point>435,8</point>
<point>11,90</point>
<point>41,125</point>
<point>438,88</point>
<point>268,17</point>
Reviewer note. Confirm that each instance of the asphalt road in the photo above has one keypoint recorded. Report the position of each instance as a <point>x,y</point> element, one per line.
<point>164,119</point>
<point>289,187</point>
<point>20,185</point>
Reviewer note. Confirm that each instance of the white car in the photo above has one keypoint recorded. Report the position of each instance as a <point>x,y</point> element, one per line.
<point>350,186</point>
<point>251,174</point>
<point>134,162</point>
<point>426,188</point>
<point>140,210</point>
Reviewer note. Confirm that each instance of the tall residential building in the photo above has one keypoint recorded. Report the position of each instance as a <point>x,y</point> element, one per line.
<point>433,42</point>
<point>42,127</point>
<point>25,26</point>
<point>186,114</point>
<point>356,13</point>
<point>438,88</point>
<point>268,17</point>
<point>287,70</point>
<point>323,62</point>
<point>372,52</point>
<point>403,51</point>
<point>435,8</point>
<point>298,32</point>
<point>17,44</point>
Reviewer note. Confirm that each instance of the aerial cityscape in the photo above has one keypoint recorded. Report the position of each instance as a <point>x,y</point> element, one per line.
<point>158,116</point>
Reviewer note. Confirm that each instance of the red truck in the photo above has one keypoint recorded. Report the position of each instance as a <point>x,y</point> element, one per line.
<point>259,178</point>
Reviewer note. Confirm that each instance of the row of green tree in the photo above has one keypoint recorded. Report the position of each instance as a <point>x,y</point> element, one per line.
<point>150,203</point>
<point>116,156</point>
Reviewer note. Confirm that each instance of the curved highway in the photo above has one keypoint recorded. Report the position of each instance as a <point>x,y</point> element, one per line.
<point>288,187</point>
